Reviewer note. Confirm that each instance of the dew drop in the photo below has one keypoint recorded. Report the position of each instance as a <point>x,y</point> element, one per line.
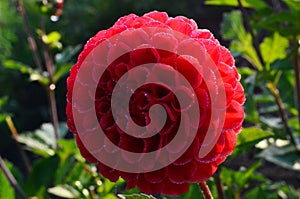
<point>54,18</point>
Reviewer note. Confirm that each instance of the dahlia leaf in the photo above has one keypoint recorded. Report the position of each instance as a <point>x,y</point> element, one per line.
<point>283,22</point>
<point>282,154</point>
<point>109,196</point>
<point>52,37</point>
<point>6,190</point>
<point>236,181</point>
<point>249,84</point>
<point>274,42</point>
<point>61,71</point>
<point>64,191</point>
<point>41,176</point>
<point>245,3</point>
<point>67,54</point>
<point>3,116</point>
<point>3,101</point>
<point>135,196</point>
<point>294,5</point>
<point>35,144</point>
<point>42,141</point>
<point>34,75</point>
<point>251,135</point>
<point>65,165</point>
<point>272,190</point>
<point>232,29</point>
<point>248,138</point>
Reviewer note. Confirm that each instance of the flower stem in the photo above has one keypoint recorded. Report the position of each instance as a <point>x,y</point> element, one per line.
<point>205,190</point>
<point>219,184</point>
<point>51,86</point>
<point>297,77</point>
<point>274,91</point>
<point>30,37</point>
<point>12,179</point>
<point>15,135</point>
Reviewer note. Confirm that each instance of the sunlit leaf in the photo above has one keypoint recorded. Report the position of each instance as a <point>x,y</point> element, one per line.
<point>293,4</point>
<point>52,37</point>
<point>42,141</point>
<point>248,138</point>
<point>3,101</point>
<point>135,196</point>
<point>245,3</point>
<point>237,180</point>
<point>61,71</point>
<point>274,42</point>
<point>64,191</point>
<point>6,190</point>
<point>232,28</point>
<point>34,75</point>
<point>35,144</point>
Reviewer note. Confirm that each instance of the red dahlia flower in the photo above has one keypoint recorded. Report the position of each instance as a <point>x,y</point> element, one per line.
<point>190,75</point>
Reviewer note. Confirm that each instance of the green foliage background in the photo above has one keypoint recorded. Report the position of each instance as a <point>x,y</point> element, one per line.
<point>262,35</point>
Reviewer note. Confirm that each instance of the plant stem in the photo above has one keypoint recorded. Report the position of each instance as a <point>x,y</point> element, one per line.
<point>205,190</point>
<point>219,184</point>
<point>274,91</point>
<point>51,86</point>
<point>15,135</point>
<point>297,77</point>
<point>30,37</point>
<point>12,179</point>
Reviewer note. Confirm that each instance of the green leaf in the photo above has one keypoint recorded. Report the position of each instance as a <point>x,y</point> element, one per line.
<point>283,64</point>
<point>34,75</point>
<point>68,153</point>
<point>35,144</point>
<point>64,191</point>
<point>273,48</point>
<point>232,28</point>
<point>41,176</point>
<point>52,37</point>
<point>62,59</point>
<point>272,190</point>
<point>249,81</point>
<point>285,23</point>
<point>42,141</point>
<point>61,71</point>
<point>248,138</point>
<point>246,3</point>
<point>284,156</point>
<point>3,116</point>
<point>3,101</point>
<point>238,180</point>
<point>294,5</point>
<point>67,54</point>
<point>109,196</point>
<point>135,196</point>
<point>6,191</point>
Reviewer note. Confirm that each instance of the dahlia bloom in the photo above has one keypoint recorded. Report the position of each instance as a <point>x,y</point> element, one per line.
<point>203,63</point>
